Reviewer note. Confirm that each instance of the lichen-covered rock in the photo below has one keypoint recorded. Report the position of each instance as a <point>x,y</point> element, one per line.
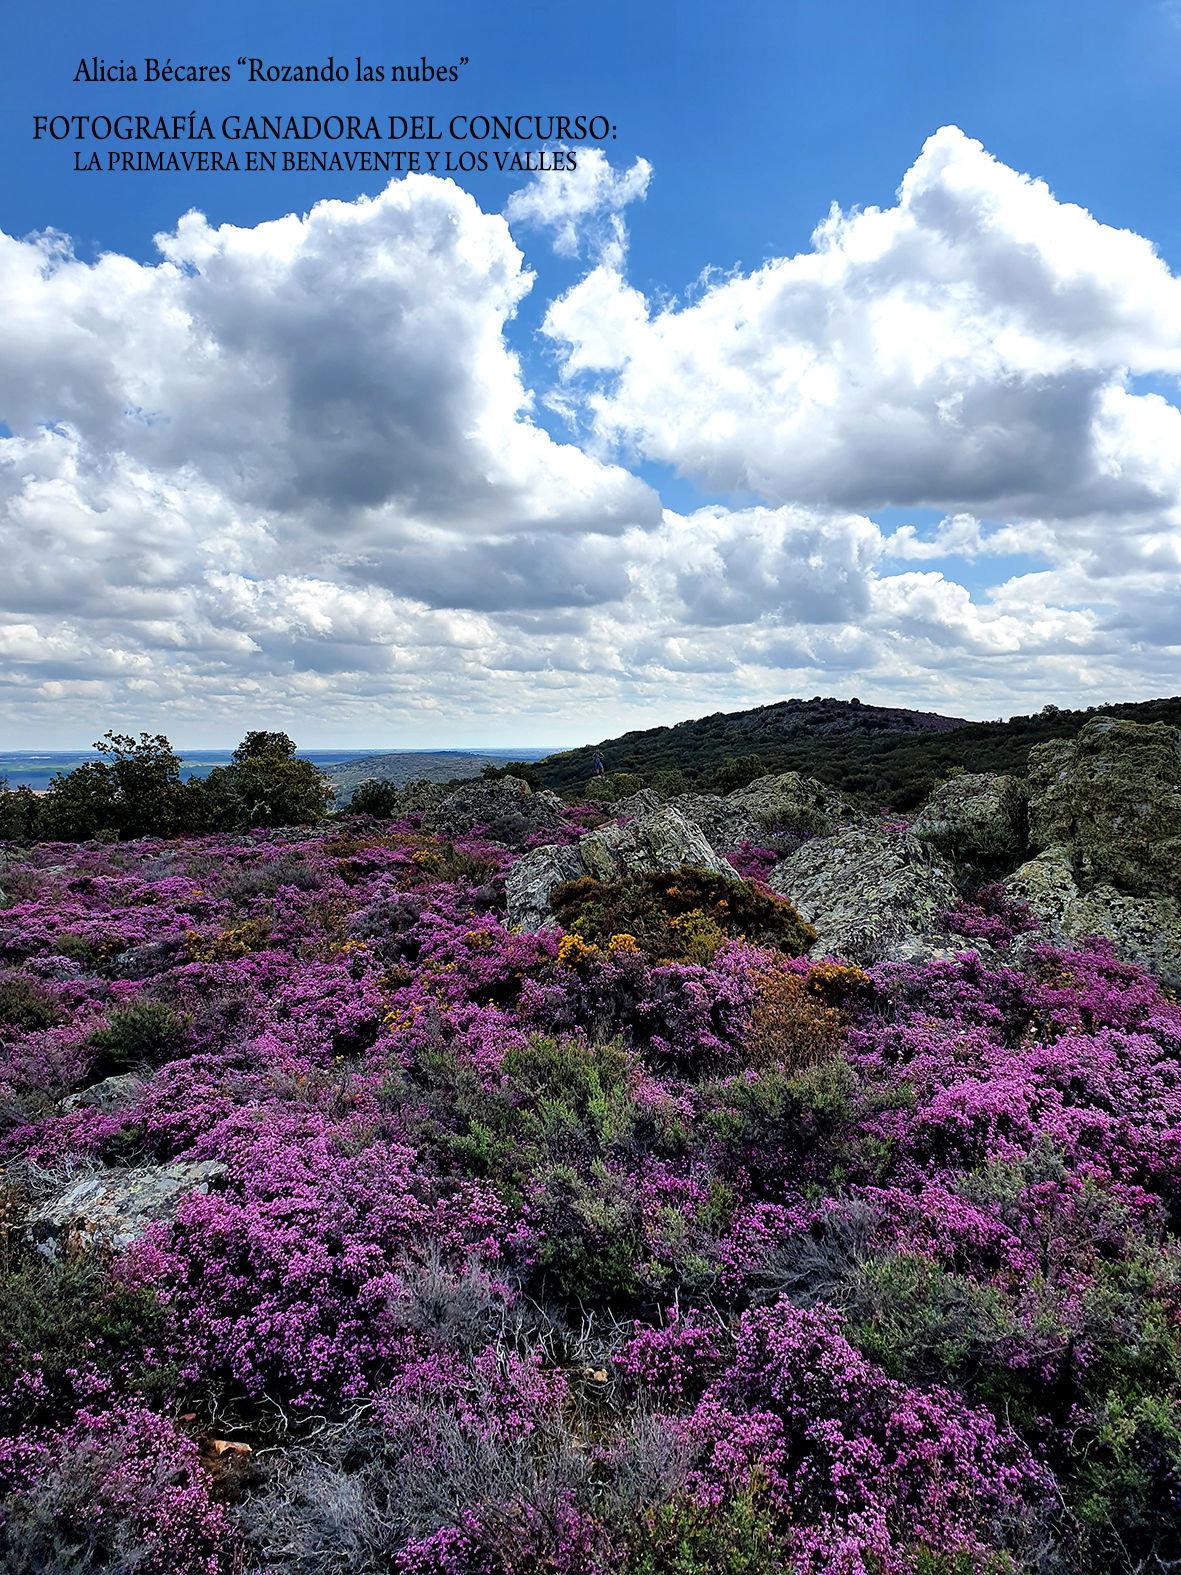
<point>797,801</point>
<point>112,1207</point>
<point>979,822</point>
<point>872,895</point>
<point>645,802</point>
<point>1143,930</point>
<point>505,808</point>
<point>1046,884</point>
<point>1113,795</point>
<point>771,809</point>
<point>651,845</point>
<point>111,1092</point>
<point>418,795</point>
<point>531,881</point>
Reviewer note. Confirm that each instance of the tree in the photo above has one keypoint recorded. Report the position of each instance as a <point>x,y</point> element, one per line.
<point>265,785</point>
<point>259,745</point>
<point>376,798</point>
<point>134,791</point>
<point>20,812</point>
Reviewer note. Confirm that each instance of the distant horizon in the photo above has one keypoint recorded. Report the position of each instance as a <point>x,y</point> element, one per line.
<point>520,750</point>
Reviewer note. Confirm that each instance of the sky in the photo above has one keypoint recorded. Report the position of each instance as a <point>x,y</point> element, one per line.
<point>844,361</point>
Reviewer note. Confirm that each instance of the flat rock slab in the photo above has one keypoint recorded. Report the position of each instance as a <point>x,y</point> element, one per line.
<point>112,1207</point>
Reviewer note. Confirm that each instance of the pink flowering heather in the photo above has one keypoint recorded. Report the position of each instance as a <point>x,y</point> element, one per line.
<point>518,1259</point>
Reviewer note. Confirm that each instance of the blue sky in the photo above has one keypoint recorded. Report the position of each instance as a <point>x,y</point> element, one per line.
<point>331,572</point>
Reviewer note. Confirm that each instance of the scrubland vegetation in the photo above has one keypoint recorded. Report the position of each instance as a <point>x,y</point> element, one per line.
<point>643,1244</point>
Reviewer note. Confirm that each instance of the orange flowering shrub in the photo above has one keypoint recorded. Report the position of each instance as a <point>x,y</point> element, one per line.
<point>790,1025</point>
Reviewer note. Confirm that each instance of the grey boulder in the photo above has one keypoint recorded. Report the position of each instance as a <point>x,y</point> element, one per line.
<point>112,1207</point>
<point>977,821</point>
<point>872,895</point>
<point>1143,930</point>
<point>650,845</point>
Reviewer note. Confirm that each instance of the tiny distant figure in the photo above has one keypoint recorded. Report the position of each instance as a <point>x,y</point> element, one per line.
<point>598,764</point>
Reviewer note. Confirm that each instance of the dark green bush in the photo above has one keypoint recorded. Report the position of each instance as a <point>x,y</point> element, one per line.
<point>649,908</point>
<point>737,771</point>
<point>143,1033</point>
<point>379,799</point>
<point>25,1004</point>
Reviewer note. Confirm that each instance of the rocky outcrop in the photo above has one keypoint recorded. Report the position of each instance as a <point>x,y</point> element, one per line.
<point>112,1092</point>
<point>1144,930</point>
<point>533,879</point>
<point>506,808</point>
<point>872,895</point>
<point>771,809</point>
<point>1113,797</point>
<point>652,844</point>
<point>111,1207</point>
<point>1105,823</point>
<point>978,822</point>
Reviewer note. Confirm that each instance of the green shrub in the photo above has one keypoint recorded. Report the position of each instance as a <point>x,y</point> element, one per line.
<point>613,785</point>
<point>649,906</point>
<point>143,1033</point>
<point>515,768</point>
<point>379,799</point>
<point>688,1538</point>
<point>738,771</point>
<point>26,1005</point>
<point>669,782</point>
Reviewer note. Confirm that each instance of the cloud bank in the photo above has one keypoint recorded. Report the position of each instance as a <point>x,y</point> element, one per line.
<point>294,471</point>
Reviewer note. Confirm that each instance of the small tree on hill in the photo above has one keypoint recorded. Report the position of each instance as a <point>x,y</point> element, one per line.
<point>134,791</point>
<point>265,785</point>
<point>20,812</point>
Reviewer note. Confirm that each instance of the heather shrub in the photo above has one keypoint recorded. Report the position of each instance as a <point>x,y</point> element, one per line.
<point>26,1005</point>
<point>73,1335</point>
<point>637,1247</point>
<point>991,915</point>
<point>246,882</point>
<point>856,1459</point>
<point>648,909</point>
<point>144,1033</point>
<point>119,1490</point>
